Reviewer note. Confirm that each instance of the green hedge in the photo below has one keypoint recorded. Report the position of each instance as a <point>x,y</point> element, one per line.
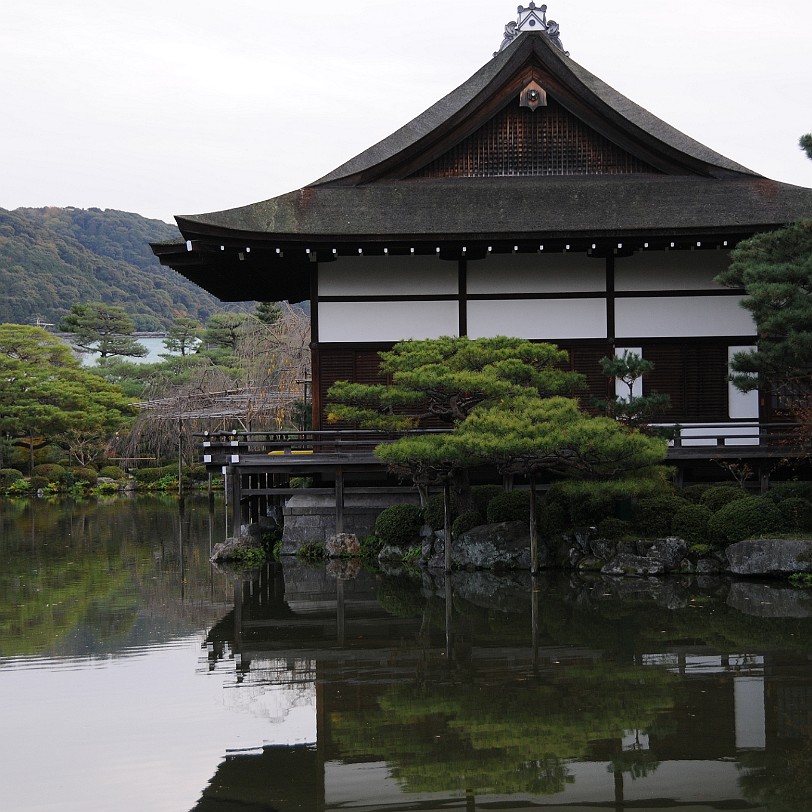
<point>112,472</point>
<point>50,470</point>
<point>399,525</point>
<point>653,516</point>
<point>797,513</point>
<point>9,475</point>
<point>146,476</point>
<point>750,517</point>
<point>720,495</point>
<point>509,507</point>
<point>793,489</point>
<point>465,521</point>
<point>88,475</point>
<point>690,522</point>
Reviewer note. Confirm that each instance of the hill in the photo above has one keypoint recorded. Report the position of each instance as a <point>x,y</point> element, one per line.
<point>52,258</point>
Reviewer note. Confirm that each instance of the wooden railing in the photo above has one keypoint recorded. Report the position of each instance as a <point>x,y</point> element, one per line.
<point>743,438</point>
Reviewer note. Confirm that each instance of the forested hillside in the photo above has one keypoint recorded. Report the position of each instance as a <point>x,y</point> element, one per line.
<point>52,258</point>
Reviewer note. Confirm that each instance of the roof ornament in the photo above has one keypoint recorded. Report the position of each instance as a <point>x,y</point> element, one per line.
<point>532,18</point>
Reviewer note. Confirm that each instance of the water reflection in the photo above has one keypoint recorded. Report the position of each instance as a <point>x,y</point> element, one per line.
<point>578,692</point>
<point>325,688</point>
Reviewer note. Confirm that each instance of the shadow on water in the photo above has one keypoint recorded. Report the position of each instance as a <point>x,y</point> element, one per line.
<point>495,691</point>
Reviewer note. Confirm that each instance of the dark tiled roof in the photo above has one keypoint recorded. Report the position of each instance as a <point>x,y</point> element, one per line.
<point>543,206</point>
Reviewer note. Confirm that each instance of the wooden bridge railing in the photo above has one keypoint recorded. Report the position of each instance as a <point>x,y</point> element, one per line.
<point>745,438</point>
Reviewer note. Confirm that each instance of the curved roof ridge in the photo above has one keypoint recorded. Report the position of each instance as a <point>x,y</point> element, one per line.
<point>452,103</point>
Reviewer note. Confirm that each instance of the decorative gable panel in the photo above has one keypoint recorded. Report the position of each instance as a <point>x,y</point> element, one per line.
<point>521,142</point>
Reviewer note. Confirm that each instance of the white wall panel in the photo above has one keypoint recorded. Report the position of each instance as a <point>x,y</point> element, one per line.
<point>537,273</point>
<point>538,318</point>
<point>387,276</point>
<point>683,316</point>
<point>670,270</point>
<point>386,321</point>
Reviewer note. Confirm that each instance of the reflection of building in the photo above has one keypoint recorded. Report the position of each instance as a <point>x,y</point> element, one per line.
<point>393,694</point>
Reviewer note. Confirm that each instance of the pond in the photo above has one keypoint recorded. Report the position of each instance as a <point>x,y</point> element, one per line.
<point>134,675</point>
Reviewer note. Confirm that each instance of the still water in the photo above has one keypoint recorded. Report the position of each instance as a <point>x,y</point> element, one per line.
<point>136,676</point>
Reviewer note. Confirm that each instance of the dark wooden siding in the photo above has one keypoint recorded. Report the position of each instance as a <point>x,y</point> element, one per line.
<point>693,376</point>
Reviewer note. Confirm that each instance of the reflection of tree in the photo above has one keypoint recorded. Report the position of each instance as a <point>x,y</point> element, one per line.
<point>779,779</point>
<point>503,738</point>
<point>79,575</point>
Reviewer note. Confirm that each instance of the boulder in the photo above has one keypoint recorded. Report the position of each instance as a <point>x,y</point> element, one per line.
<point>627,564</point>
<point>231,548</point>
<point>505,545</point>
<point>769,557</point>
<point>342,545</point>
<point>671,551</point>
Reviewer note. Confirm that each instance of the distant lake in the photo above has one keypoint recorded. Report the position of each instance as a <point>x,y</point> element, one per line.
<point>135,675</point>
<point>153,343</point>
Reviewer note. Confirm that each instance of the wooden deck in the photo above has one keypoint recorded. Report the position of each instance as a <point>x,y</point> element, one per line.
<point>258,466</point>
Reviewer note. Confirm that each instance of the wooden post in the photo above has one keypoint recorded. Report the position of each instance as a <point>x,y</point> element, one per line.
<point>534,533</point>
<point>236,509</point>
<point>339,501</point>
<point>447,523</point>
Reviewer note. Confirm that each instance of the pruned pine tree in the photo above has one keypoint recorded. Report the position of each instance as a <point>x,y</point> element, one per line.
<point>104,329</point>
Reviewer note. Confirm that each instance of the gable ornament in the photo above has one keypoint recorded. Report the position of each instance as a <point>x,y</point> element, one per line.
<point>532,18</point>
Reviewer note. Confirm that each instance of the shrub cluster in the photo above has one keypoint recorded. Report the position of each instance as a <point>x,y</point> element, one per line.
<point>509,507</point>
<point>717,496</point>
<point>653,515</point>
<point>744,518</point>
<point>399,525</point>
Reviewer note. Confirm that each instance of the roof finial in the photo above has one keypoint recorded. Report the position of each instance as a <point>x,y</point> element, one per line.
<point>532,18</point>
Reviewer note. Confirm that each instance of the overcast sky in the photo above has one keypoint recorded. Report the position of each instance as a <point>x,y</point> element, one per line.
<point>167,107</point>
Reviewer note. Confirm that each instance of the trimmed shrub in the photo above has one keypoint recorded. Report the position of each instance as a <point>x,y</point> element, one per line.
<point>509,507</point>
<point>653,516</point>
<point>9,475</point>
<point>791,489</point>
<point>690,522</point>
<point>106,488</point>
<point>37,482</point>
<point>483,494</point>
<point>718,496</point>
<point>50,470</point>
<point>465,521</point>
<point>399,525</point>
<point>744,518</point>
<point>797,513</point>
<point>611,528</point>
<point>693,493</point>
<point>145,476</point>
<point>88,475</point>
<point>112,472</point>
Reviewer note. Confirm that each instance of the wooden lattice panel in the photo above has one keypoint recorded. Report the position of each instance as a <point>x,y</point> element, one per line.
<point>525,143</point>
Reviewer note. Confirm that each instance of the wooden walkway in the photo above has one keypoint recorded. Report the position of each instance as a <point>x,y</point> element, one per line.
<point>258,466</point>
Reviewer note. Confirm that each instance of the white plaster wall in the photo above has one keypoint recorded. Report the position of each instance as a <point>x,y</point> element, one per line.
<point>387,276</point>
<point>741,404</point>
<point>537,273</point>
<point>386,321</point>
<point>537,318</point>
<point>684,316</point>
<point>670,270</point>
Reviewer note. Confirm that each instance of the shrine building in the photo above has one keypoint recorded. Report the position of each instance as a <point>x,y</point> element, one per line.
<point>533,200</point>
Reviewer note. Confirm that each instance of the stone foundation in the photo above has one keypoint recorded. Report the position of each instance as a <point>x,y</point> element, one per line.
<point>312,516</point>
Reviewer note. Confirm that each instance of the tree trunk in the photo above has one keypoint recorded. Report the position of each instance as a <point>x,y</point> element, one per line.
<point>447,524</point>
<point>462,496</point>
